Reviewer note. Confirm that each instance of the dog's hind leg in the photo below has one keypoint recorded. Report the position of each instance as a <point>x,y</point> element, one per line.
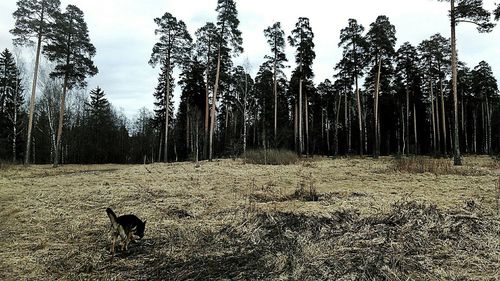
<point>112,250</point>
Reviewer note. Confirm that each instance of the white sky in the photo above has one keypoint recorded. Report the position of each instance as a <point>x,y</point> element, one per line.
<point>123,33</point>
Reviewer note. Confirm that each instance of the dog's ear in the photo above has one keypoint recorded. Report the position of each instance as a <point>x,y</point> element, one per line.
<point>145,222</point>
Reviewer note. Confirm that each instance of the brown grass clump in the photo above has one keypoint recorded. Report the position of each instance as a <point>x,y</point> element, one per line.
<point>434,166</point>
<point>271,157</point>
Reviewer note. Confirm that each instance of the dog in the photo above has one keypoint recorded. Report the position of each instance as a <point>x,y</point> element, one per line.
<point>125,227</point>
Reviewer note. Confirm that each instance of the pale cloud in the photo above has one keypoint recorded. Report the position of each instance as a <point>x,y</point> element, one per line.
<point>123,33</point>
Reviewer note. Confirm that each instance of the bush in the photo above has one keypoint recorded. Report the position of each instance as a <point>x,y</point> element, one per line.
<point>434,166</point>
<point>270,157</point>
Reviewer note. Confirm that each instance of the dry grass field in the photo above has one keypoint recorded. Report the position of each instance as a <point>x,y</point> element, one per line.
<point>321,219</point>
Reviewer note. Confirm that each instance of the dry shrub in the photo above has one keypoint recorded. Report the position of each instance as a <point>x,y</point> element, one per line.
<point>270,157</point>
<point>434,166</point>
<point>5,165</point>
<point>306,190</point>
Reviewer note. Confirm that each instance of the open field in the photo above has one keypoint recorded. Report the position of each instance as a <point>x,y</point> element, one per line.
<point>337,219</point>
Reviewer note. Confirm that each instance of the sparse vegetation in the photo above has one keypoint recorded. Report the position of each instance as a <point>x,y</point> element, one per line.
<point>437,166</point>
<point>231,220</point>
<point>270,157</point>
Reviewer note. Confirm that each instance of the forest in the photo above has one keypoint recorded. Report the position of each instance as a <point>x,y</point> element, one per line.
<point>384,97</point>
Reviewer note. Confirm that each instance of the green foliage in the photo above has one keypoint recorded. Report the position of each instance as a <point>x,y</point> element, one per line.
<point>472,11</point>
<point>174,45</point>
<point>381,39</point>
<point>484,82</point>
<point>276,39</point>
<point>302,38</point>
<point>33,18</point>
<point>227,24</point>
<point>496,12</point>
<point>355,48</point>
<point>11,107</point>
<point>70,48</point>
<point>270,157</point>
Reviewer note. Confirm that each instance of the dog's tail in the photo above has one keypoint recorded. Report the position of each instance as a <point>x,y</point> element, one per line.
<point>112,217</point>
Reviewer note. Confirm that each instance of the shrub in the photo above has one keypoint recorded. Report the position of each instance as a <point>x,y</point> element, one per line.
<point>270,157</point>
<point>434,166</point>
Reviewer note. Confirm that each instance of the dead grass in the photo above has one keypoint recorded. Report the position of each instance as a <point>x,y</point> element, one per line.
<point>435,166</point>
<point>235,221</point>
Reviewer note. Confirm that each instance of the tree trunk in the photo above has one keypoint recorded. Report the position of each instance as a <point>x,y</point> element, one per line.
<point>295,127</point>
<point>33,96</point>
<point>301,142</point>
<point>434,143</point>
<point>474,134</point>
<point>205,146</point>
<point>415,125</point>
<point>488,125</point>
<point>377,122</point>
<point>327,134</point>
<point>360,119</point>
<point>167,110</point>
<point>443,116</point>
<point>160,144</point>
<point>438,126</point>
<point>407,137</point>
<point>212,111</point>
<point>336,131</point>
<point>14,121</point>
<point>306,121</point>
<point>61,119</point>
<point>275,95</point>
<point>456,147</point>
<point>245,115</point>
<point>464,127</point>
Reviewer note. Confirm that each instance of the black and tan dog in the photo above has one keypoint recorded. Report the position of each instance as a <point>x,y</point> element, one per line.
<point>125,227</point>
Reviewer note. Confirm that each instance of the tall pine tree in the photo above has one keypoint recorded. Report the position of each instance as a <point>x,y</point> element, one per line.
<point>33,19</point>
<point>171,50</point>
<point>70,48</point>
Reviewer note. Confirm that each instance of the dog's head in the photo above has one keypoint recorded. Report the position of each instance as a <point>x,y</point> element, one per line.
<point>139,230</point>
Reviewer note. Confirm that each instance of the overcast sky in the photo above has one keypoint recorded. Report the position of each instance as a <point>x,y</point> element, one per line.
<point>123,33</point>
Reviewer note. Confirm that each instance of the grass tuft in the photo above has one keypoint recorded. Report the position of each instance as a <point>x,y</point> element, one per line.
<point>420,165</point>
<point>270,157</point>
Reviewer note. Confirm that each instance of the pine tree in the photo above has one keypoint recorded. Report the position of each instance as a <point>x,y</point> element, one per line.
<point>408,74</point>
<point>11,102</point>
<point>276,39</point>
<point>381,39</point>
<point>302,38</point>
<point>470,11</point>
<point>205,48</point>
<point>171,50</point>
<point>229,38</point>
<point>70,48</point>
<point>102,127</point>
<point>485,88</point>
<point>33,19</point>
<point>161,109</point>
<point>355,49</point>
<point>191,109</point>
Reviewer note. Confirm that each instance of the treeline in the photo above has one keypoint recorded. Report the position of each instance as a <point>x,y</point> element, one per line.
<point>382,99</point>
